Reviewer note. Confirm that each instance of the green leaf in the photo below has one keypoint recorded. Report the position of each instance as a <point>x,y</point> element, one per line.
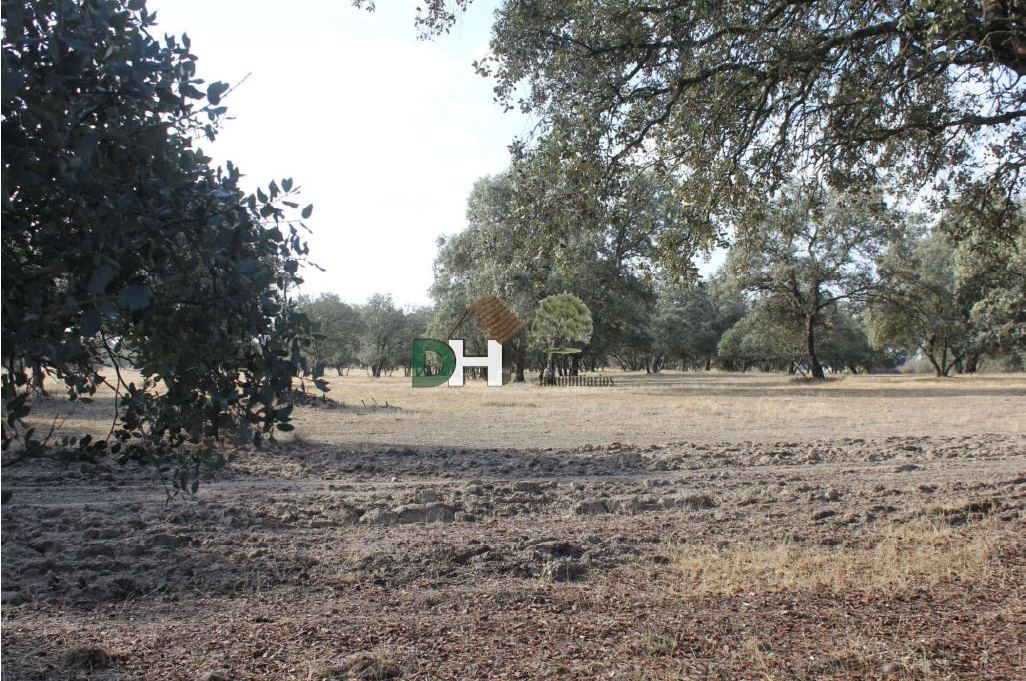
<point>214,92</point>
<point>122,222</point>
<point>135,297</point>
<point>90,322</point>
<point>100,278</point>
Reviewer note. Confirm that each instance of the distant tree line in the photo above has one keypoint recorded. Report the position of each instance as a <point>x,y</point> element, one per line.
<point>664,129</point>
<point>376,336</point>
<point>817,280</point>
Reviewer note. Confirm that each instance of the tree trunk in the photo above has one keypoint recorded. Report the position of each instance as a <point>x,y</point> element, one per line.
<point>810,342</point>
<point>37,380</point>
<point>972,361</point>
<point>933,362</point>
<point>955,363</point>
<point>927,349</point>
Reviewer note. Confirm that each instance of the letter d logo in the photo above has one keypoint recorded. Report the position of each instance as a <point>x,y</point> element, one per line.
<point>421,346</point>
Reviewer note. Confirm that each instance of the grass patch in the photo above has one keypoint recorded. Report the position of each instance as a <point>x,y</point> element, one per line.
<point>670,406</point>
<point>924,552</point>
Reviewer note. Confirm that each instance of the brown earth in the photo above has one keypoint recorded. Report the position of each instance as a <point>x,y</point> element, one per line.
<point>896,556</point>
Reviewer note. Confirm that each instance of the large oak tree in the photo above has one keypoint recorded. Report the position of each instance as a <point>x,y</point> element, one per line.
<point>731,99</point>
<point>811,250</point>
<point>736,97</point>
<point>123,246</point>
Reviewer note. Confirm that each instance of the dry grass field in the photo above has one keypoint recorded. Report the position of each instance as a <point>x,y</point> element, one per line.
<point>674,526</point>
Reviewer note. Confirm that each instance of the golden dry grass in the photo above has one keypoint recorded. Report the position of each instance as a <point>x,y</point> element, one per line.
<point>669,407</point>
<point>888,560</point>
<point>639,409</point>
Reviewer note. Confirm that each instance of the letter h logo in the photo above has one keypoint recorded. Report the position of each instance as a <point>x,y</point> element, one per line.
<point>498,321</point>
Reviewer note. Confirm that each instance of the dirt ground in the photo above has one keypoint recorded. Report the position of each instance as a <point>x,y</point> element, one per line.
<point>671,527</point>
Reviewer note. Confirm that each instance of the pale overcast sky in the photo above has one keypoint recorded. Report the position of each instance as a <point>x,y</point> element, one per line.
<point>384,133</point>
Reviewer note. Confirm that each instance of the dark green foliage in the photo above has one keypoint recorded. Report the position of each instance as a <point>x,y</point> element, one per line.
<point>734,98</point>
<point>989,234</point>
<point>919,309</point>
<point>958,292</point>
<point>522,246</point>
<point>809,251</point>
<point>488,258</point>
<point>122,246</point>
<point>844,345</point>
<point>688,323</point>
<point>377,335</point>
<point>336,328</point>
<point>387,334</point>
<point>721,104</point>
<point>383,338</point>
<point>762,339</point>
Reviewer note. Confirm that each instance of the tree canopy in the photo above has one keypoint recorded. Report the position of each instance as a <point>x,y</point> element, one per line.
<point>736,98</point>
<point>123,245</point>
<point>810,250</point>
<point>336,328</point>
<point>989,237</point>
<point>920,308</point>
<point>719,107</point>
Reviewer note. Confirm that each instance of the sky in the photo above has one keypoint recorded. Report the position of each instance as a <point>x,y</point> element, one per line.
<point>385,134</point>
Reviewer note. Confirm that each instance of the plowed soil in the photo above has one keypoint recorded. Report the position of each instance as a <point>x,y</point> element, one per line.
<point>893,556</point>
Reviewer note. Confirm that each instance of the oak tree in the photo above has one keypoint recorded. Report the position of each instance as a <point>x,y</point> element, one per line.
<point>123,246</point>
<point>735,98</point>
<point>811,249</point>
<point>920,309</point>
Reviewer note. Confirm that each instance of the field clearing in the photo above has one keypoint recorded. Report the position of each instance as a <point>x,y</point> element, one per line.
<point>670,406</point>
<point>675,526</point>
<point>640,409</point>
